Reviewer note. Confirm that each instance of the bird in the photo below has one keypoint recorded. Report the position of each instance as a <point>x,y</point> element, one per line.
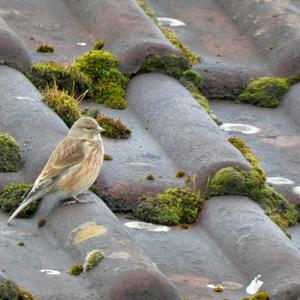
<point>72,167</point>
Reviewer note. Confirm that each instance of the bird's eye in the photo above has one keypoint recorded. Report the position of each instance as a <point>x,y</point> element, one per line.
<point>89,128</point>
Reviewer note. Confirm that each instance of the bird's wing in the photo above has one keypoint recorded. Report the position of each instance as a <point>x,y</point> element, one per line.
<point>68,153</point>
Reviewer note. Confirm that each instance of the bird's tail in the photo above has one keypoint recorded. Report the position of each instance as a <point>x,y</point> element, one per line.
<point>24,204</point>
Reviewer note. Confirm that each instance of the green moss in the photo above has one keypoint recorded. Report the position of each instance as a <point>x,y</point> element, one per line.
<point>11,198</point>
<point>66,78</point>
<point>99,44</point>
<point>108,83</point>
<point>108,157</point>
<point>44,48</point>
<point>21,244</point>
<point>261,296</point>
<point>193,76</point>
<point>41,223</point>
<point>8,290</point>
<point>180,174</point>
<point>91,112</point>
<point>246,152</point>
<point>265,91</point>
<point>148,11</point>
<point>218,289</point>
<point>171,64</point>
<point>64,105</point>
<point>75,270</point>
<point>10,153</point>
<point>114,129</point>
<point>25,295</point>
<point>150,177</point>
<point>92,259</point>
<point>173,206</point>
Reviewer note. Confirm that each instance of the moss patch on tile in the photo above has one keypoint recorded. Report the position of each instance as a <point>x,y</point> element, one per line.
<point>75,270</point>
<point>11,198</point>
<point>98,45</point>
<point>108,83</point>
<point>261,296</point>
<point>170,34</point>
<point>44,48</point>
<point>66,78</point>
<point>265,91</point>
<point>10,291</point>
<point>10,153</point>
<point>114,129</point>
<point>252,184</point>
<point>92,259</point>
<point>107,157</point>
<point>64,105</point>
<point>173,206</point>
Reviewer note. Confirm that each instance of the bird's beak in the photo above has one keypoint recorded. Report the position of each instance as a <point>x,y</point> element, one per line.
<point>100,129</point>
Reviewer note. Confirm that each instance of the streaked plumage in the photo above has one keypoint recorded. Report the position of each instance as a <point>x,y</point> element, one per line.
<point>72,167</point>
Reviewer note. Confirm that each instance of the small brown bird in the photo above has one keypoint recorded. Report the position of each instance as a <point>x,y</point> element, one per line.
<point>72,167</point>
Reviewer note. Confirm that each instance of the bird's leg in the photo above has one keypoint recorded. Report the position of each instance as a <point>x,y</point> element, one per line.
<point>78,200</point>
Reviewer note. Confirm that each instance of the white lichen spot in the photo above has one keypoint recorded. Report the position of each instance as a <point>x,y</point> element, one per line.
<point>147,226</point>
<point>50,272</point>
<point>254,285</point>
<point>241,128</point>
<point>279,180</point>
<point>296,190</point>
<point>170,22</point>
<point>82,44</point>
<point>214,286</point>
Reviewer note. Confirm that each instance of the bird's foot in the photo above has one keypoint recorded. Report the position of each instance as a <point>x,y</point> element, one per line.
<point>77,200</point>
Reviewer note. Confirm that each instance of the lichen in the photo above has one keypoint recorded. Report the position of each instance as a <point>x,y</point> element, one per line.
<point>173,206</point>
<point>114,129</point>
<point>92,259</point>
<point>99,44</point>
<point>64,105</point>
<point>10,153</point>
<point>108,157</point>
<point>180,174</point>
<point>261,296</point>
<point>150,177</point>
<point>75,270</point>
<point>41,223</point>
<point>44,48</point>
<point>265,91</point>
<point>11,198</point>
<point>108,83</point>
<point>66,78</point>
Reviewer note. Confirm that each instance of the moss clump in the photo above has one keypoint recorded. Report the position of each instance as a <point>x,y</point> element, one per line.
<point>108,157</point>
<point>75,270</point>
<point>218,289</point>
<point>99,44</point>
<point>92,259</point>
<point>10,153</point>
<point>265,91</point>
<point>41,223</point>
<point>261,296</point>
<point>108,83</point>
<point>180,174</point>
<point>21,244</point>
<point>25,295</point>
<point>171,64</point>
<point>11,198</point>
<point>246,152</point>
<point>66,78</point>
<point>64,105</point>
<point>114,129</point>
<point>44,48</point>
<point>173,206</point>
<point>8,290</point>
<point>193,76</point>
<point>190,84</point>
<point>150,177</point>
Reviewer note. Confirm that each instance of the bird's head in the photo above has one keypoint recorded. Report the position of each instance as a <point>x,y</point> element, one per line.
<point>86,128</point>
